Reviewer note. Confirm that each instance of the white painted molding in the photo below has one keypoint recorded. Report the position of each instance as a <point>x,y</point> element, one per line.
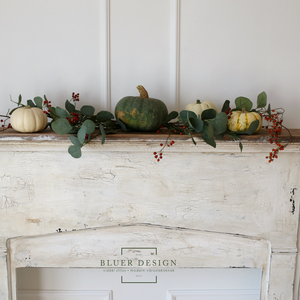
<point>89,246</point>
<point>105,65</point>
<point>175,53</point>
<point>214,294</point>
<point>3,251</point>
<point>59,144</point>
<point>63,295</point>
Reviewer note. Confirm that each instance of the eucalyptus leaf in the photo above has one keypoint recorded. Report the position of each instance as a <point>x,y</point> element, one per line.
<point>87,110</point>
<point>104,116</point>
<point>61,126</point>
<point>195,123</point>
<point>269,110</point>
<point>53,113</point>
<point>251,129</point>
<point>74,130</point>
<point>226,106</point>
<point>103,134</point>
<point>81,134</point>
<point>89,126</point>
<point>75,151</point>
<point>39,102</point>
<point>30,103</point>
<point>122,125</point>
<point>69,106</point>
<point>13,110</point>
<point>241,146</point>
<point>75,141</point>
<point>243,102</point>
<point>208,129</point>
<point>218,136</point>
<point>172,115</point>
<point>220,123</point>
<point>261,100</point>
<point>20,99</point>
<point>193,140</point>
<point>209,140</point>
<point>61,112</point>
<point>208,114</point>
<point>185,114</point>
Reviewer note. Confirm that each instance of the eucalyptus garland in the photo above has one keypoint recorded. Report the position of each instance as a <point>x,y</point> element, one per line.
<point>84,124</point>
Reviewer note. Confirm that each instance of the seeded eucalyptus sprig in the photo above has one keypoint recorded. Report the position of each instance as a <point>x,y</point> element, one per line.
<point>84,123</point>
<point>210,126</point>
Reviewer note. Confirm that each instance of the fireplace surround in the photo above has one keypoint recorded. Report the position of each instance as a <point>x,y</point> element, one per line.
<point>199,206</point>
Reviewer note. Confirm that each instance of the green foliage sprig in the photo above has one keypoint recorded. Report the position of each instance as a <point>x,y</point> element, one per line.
<point>210,126</point>
<point>83,123</point>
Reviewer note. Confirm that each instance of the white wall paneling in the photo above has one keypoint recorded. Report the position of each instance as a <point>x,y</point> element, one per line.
<point>105,58</point>
<point>140,48</point>
<point>175,53</point>
<point>180,50</point>
<point>53,47</point>
<point>240,48</point>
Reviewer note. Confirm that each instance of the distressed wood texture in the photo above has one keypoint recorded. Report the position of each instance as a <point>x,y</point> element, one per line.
<point>43,191</point>
<point>172,246</point>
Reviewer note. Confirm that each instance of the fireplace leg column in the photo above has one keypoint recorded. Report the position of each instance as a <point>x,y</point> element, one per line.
<point>282,275</point>
<point>3,274</point>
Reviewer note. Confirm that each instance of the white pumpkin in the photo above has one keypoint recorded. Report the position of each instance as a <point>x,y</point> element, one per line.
<point>199,107</point>
<point>28,119</point>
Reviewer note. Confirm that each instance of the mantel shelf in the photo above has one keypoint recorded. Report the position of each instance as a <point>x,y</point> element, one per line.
<point>49,135</point>
<point>145,141</point>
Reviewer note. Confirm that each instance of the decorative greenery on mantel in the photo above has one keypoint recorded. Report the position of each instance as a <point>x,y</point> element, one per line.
<point>85,124</point>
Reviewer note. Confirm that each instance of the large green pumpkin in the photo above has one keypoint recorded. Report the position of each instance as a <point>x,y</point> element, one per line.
<point>141,113</point>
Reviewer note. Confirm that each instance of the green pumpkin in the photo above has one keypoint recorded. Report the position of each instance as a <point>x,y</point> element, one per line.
<point>141,113</point>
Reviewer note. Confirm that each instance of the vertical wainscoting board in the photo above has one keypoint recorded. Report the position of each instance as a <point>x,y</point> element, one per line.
<point>105,57</point>
<point>175,52</point>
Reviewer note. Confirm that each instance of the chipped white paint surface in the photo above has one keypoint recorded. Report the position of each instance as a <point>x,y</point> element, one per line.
<point>43,190</point>
<point>182,247</point>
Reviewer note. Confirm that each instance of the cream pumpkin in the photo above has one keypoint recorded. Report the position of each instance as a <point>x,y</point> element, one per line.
<point>199,107</point>
<point>28,119</point>
<point>240,121</point>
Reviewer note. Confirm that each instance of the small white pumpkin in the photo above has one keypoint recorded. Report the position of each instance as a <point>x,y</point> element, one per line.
<point>199,107</point>
<point>28,119</point>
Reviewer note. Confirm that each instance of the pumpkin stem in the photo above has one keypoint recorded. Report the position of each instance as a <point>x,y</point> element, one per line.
<point>243,110</point>
<point>198,101</point>
<point>143,92</point>
<point>27,106</point>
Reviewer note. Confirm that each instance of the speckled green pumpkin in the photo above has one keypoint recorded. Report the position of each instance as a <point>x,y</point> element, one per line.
<point>141,113</point>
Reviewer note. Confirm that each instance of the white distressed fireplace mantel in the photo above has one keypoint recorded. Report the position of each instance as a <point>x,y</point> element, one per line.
<point>216,197</point>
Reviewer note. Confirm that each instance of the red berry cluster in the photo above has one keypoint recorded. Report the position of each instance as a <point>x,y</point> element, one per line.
<point>178,130</point>
<point>228,112</point>
<point>159,155</point>
<point>274,127</point>
<point>46,107</point>
<point>74,118</point>
<point>3,125</point>
<point>75,97</point>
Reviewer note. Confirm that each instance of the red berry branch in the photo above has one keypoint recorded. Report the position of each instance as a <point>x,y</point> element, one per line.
<point>159,155</point>
<point>3,120</point>
<point>274,119</point>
